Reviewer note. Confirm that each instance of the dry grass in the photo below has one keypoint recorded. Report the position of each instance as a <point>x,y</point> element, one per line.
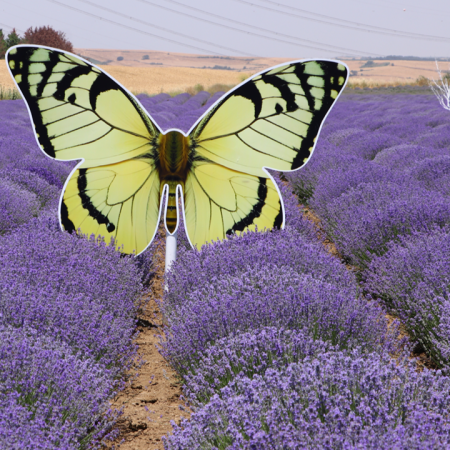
<point>367,83</point>
<point>7,93</point>
<point>176,80</point>
<point>154,80</point>
<point>169,79</point>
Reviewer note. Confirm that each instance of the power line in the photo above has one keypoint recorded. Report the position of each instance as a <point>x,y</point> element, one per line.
<point>202,41</point>
<point>60,21</point>
<point>374,29</point>
<point>7,26</point>
<point>264,36</point>
<point>133,29</point>
<point>246,25</point>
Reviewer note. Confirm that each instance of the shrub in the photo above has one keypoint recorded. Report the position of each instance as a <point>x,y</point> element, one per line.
<point>46,35</point>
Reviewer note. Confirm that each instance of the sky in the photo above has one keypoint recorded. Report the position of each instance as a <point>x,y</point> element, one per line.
<point>276,28</point>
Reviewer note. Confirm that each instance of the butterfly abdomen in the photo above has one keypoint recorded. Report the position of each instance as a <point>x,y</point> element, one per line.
<point>173,169</point>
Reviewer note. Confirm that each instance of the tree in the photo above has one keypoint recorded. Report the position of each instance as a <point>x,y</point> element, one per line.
<point>48,36</point>
<point>5,43</point>
<point>2,45</point>
<point>441,88</point>
<point>12,39</point>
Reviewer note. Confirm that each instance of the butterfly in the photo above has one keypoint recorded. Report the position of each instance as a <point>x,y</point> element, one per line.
<point>217,171</point>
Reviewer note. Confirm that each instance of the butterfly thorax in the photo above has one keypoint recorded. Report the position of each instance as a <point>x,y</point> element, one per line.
<point>173,170</point>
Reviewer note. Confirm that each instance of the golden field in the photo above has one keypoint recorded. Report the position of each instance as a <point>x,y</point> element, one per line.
<point>154,80</point>
<point>178,72</point>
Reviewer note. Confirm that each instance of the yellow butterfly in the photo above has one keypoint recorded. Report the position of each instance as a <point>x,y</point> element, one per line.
<point>218,169</point>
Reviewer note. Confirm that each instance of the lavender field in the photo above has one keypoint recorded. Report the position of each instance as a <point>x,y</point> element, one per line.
<point>277,344</point>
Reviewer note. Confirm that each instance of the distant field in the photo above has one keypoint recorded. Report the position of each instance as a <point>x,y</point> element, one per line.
<point>394,72</point>
<point>154,80</point>
<point>165,76</point>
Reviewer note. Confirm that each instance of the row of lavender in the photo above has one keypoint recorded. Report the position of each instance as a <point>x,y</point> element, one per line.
<point>67,305</point>
<point>380,182</point>
<point>277,348</point>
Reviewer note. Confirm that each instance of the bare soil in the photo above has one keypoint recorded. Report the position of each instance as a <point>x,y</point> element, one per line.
<point>151,399</point>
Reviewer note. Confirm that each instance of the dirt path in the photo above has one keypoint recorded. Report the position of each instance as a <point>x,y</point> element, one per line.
<point>152,398</point>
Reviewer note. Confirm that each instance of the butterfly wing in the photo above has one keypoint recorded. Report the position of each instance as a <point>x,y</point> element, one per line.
<point>80,112</point>
<point>270,121</point>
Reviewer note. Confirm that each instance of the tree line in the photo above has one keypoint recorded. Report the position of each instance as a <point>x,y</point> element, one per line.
<point>45,35</point>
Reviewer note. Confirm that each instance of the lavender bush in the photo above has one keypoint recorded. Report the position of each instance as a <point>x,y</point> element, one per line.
<point>412,279</point>
<point>46,193</point>
<point>248,354</point>
<point>363,220</point>
<point>335,401</point>
<point>75,290</point>
<point>387,209</point>
<point>17,205</point>
<point>289,249</point>
<point>267,295</point>
<point>63,395</point>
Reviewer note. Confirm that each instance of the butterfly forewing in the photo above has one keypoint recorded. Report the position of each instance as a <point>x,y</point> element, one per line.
<point>78,111</point>
<point>271,120</point>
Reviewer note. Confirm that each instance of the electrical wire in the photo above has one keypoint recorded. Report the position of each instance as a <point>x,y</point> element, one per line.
<point>378,30</point>
<point>246,25</point>
<point>264,36</point>
<point>148,24</point>
<point>133,29</point>
<point>59,21</point>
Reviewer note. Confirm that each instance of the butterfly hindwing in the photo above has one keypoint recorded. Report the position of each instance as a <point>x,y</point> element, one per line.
<point>119,201</point>
<point>220,201</point>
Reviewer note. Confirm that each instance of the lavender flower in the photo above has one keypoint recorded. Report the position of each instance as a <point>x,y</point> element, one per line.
<point>412,279</point>
<point>78,291</point>
<point>262,296</point>
<point>17,205</point>
<point>335,401</point>
<point>58,396</point>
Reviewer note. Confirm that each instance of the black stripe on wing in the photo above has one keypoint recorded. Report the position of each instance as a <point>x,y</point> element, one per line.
<point>257,210</point>
<point>313,99</point>
<point>20,61</point>
<point>86,204</point>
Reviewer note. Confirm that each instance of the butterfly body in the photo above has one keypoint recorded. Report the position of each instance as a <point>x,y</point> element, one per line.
<point>218,170</point>
<point>173,165</point>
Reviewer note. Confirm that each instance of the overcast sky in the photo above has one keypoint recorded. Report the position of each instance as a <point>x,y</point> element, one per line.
<point>281,28</point>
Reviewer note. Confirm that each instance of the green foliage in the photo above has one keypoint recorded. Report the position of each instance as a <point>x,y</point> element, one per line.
<point>5,43</point>
<point>9,94</point>
<point>12,39</point>
<point>370,64</point>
